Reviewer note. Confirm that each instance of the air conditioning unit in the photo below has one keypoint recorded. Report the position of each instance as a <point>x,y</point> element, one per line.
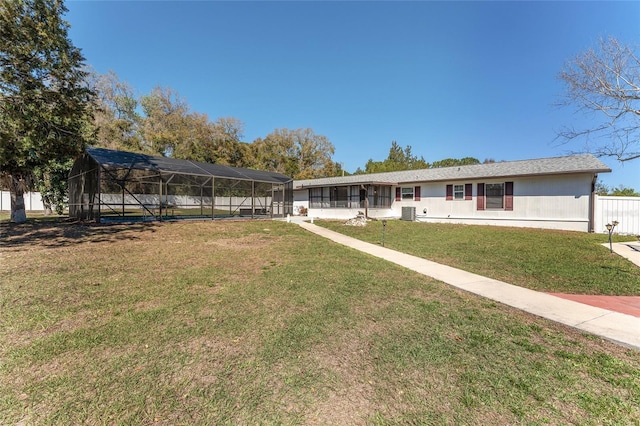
<point>409,213</point>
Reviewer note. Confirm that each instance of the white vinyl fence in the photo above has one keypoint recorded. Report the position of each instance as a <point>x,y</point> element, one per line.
<point>32,201</point>
<point>624,210</point>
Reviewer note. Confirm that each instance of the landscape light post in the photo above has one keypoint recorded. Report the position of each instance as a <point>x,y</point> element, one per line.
<point>384,226</point>
<point>610,227</point>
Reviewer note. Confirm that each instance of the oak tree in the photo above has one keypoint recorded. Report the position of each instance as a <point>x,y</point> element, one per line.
<point>115,113</point>
<point>299,153</point>
<point>43,99</point>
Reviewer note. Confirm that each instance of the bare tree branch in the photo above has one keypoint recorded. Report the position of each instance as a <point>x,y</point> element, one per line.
<point>605,82</point>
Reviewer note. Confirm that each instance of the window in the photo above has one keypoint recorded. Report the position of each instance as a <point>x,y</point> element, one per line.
<point>407,193</point>
<point>315,198</point>
<point>352,196</point>
<point>458,192</point>
<point>494,193</point>
<point>339,196</point>
<point>497,196</point>
<point>381,196</point>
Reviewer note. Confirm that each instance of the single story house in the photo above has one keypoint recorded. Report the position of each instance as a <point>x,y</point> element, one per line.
<point>552,193</point>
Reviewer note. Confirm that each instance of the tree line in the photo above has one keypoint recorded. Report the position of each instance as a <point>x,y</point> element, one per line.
<point>619,191</point>
<point>403,159</point>
<point>163,123</point>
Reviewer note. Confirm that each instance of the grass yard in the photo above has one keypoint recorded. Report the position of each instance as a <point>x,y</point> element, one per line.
<point>261,322</point>
<point>542,260</point>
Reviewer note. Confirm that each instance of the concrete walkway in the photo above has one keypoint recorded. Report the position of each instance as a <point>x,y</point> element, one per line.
<point>630,250</point>
<point>618,327</point>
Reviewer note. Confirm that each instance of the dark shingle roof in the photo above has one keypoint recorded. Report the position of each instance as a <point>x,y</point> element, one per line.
<point>544,166</point>
<point>131,160</point>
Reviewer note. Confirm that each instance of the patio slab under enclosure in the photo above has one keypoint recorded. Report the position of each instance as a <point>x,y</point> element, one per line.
<point>109,185</point>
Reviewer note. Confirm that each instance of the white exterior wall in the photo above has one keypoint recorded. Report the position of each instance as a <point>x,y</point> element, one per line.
<point>344,213</point>
<point>552,202</point>
<point>625,210</point>
<point>32,201</point>
<point>301,199</point>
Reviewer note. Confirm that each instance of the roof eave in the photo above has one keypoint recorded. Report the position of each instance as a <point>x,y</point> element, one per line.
<point>509,175</point>
<point>323,185</point>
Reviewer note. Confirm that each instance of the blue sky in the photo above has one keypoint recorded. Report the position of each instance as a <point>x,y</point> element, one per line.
<point>450,79</point>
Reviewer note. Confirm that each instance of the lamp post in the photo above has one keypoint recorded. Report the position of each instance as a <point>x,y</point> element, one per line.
<point>610,227</point>
<point>384,227</point>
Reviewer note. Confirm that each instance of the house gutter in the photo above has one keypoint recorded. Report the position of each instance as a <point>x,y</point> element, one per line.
<point>592,205</point>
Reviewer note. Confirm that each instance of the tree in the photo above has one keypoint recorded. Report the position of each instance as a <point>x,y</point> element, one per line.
<point>601,188</point>
<point>51,182</point>
<point>451,162</point>
<point>605,82</point>
<point>170,128</point>
<point>115,112</point>
<point>165,122</point>
<point>299,153</point>
<point>620,191</point>
<point>397,160</point>
<point>44,105</point>
<point>226,146</point>
<point>192,137</point>
<point>402,159</point>
<point>623,191</point>
<point>217,142</point>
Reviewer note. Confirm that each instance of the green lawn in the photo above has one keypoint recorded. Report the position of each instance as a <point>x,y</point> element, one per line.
<point>261,322</point>
<point>543,260</point>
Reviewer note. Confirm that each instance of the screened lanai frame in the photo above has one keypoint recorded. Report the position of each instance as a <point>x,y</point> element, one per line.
<point>109,185</point>
<point>363,195</point>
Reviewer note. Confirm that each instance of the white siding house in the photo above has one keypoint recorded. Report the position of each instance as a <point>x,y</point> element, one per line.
<point>553,193</point>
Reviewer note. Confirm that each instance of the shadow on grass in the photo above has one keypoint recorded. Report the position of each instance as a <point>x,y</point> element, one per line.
<point>54,232</point>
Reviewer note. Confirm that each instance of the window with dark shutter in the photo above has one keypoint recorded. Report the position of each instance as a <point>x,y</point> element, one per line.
<point>508,195</point>
<point>449,192</point>
<point>494,196</point>
<point>416,193</point>
<point>458,192</point>
<point>480,197</point>
<point>407,193</point>
<point>398,194</point>
<point>467,191</point>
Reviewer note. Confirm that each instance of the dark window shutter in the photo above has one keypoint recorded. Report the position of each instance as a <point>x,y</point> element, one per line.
<point>416,193</point>
<point>449,192</point>
<point>480,205</point>
<point>467,191</point>
<point>398,195</point>
<point>508,195</point>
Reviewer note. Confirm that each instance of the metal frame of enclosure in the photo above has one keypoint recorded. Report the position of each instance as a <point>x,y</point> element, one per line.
<point>107,185</point>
